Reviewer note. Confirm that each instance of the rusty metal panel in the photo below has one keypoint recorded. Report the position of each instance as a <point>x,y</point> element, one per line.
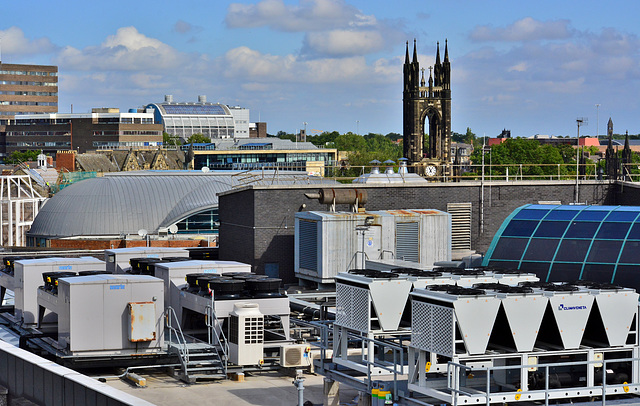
<point>142,321</point>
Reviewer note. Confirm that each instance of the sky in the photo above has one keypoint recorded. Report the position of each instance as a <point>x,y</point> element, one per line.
<point>529,67</point>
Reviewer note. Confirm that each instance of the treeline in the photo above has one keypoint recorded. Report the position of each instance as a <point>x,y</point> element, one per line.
<point>361,149</point>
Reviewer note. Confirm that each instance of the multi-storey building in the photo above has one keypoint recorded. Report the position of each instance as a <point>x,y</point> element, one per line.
<point>213,120</point>
<point>27,89</point>
<point>102,128</point>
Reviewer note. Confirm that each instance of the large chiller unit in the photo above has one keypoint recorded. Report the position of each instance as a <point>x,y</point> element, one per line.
<point>27,277</point>
<point>514,331</point>
<point>112,315</point>
<point>327,243</point>
<point>372,303</point>
<point>117,259</point>
<point>174,276</point>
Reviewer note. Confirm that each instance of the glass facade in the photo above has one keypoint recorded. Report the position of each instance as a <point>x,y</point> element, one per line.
<point>568,243</point>
<point>205,222</point>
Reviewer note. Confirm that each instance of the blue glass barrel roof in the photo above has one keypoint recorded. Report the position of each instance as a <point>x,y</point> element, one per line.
<point>569,243</point>
<point>207,109</point>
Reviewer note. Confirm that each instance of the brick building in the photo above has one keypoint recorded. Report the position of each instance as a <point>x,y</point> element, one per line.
<point>103,128</point>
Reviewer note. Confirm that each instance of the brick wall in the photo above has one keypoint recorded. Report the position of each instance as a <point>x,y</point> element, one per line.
<point>257,224</point>
<point>111,244</point>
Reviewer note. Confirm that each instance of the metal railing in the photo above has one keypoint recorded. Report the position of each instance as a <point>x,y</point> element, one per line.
<point>455,370</point>
<point>213,328</point>
<point>180,341</point>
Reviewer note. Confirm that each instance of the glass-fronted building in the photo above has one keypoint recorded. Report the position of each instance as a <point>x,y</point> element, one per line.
<point>213,120</point>
<point>571,242</point>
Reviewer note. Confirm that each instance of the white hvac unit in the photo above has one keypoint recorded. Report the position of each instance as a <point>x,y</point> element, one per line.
<point>117,259</point>
<point>246,334</point>
<point>327,243</point>
<point>28,278</point>
<point>471,312</point>
<point>370,301</point>
<point>295,355</point>
<point>111,315</point>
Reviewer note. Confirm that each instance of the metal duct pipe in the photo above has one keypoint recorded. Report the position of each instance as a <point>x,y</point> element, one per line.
<point>340,196</point>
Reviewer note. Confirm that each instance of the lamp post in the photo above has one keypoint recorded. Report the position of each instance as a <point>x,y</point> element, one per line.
<point>580,121</point>
<point>597,120</point>
<point>357,127</point>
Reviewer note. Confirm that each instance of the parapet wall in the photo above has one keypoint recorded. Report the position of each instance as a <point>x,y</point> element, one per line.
<point>44,382</point>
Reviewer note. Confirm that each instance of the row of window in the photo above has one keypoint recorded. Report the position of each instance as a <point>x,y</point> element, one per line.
<point>15,113</point>
<point>127,132</point>
<point>23,93</point>
<point>40,144</point>
<point>27,83</point>
<point>116,144</point>
<point>42,121</point>
<point>131,120</point>
<point>29,73</point>
<point>37,133</point>
<point>27,103</point>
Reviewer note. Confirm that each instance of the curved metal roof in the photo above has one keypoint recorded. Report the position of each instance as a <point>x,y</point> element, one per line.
<point>124,203</point>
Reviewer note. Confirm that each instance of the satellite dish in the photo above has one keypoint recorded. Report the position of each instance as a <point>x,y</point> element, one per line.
<point>142,232</point>
<point>205,169</point>
<point>174,228</point>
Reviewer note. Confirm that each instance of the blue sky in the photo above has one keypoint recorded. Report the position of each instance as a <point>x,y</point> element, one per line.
<point>531,67</point>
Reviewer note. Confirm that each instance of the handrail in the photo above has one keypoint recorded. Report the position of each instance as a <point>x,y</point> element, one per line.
<point>454,368</point>
<point>181,341</point>
<point>210,321</point>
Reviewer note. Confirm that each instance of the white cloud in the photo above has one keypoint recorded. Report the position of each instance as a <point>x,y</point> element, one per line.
<point>243,62</point>
<point>127,50</point>
<point>345,42</point>
<point>526,29</point>
<point>333,28</point>
<point>13,41</point>
<point>309,15</point>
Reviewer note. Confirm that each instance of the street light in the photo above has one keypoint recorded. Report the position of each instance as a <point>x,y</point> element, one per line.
<point>357,127</point>
<point>580,121</point>
<point>597,120</point>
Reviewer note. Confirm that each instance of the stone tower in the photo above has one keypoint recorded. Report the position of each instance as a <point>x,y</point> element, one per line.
<point>427,114</point>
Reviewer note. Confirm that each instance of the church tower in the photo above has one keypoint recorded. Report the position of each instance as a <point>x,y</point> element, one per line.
<point>427,113</point>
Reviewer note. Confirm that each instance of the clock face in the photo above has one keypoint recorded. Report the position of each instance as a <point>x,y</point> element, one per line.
<point>431,170</point>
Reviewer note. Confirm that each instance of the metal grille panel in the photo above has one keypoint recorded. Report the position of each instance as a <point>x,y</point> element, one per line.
<point>308,245</point>
<point>432,328</point>
<point>408,241</point>
<point>460,225</point>
<point>352,307</point>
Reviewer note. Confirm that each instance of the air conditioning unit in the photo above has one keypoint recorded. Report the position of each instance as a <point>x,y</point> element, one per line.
<point>297,355</point>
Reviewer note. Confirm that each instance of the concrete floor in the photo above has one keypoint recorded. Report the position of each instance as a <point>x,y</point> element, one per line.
<point>264,389</point>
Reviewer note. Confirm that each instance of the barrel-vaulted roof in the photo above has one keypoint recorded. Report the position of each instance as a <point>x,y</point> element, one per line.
<point>126,202</point>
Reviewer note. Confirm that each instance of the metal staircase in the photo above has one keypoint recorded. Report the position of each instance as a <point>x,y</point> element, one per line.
<point>199,360</point>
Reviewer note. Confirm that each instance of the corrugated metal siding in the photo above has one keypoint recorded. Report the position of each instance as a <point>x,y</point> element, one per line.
<point>408,241</point>
<point>308,244</point>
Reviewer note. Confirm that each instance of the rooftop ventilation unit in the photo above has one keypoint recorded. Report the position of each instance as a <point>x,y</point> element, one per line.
<point>452,320</point>
<point>296,355</point>
<point>371,301</point>
<point>246,334</point>
<point>327,243</point>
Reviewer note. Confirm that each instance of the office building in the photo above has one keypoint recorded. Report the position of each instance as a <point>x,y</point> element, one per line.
<point>213,120</point>
<point>103,128</point>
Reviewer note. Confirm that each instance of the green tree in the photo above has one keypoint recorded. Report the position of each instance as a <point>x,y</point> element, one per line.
<point>469,137</point>
<point>325,139</point>
<point>170,139</point>
<point>23,156</point>
<point>198,138</point>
